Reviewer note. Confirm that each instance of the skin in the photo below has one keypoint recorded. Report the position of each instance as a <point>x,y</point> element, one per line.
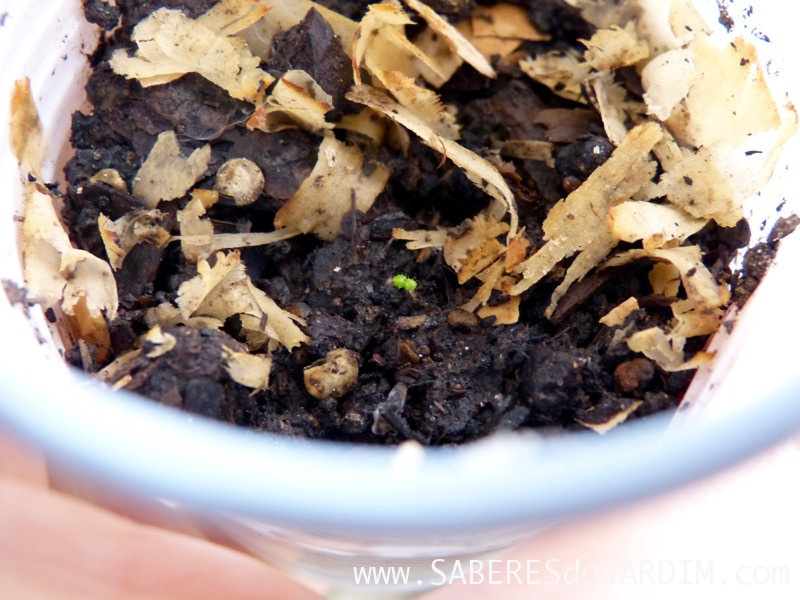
<point>55,545</point>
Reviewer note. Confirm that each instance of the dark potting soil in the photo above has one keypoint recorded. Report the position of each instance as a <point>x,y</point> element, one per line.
<point>429,371</point>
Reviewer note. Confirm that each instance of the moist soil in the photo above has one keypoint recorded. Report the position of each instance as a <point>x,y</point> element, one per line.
<point>429,371</point>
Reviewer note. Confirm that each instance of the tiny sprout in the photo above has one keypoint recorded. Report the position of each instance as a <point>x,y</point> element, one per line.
<point>404,283</point>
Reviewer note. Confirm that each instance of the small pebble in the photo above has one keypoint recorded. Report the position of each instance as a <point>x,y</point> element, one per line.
<point>634,375</point>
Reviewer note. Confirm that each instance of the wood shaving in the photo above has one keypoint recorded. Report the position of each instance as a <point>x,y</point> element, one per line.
<point>615,420</point>
<point>25,128</point>
<point>421,238</point>
<point>506,313</point>
<point>577,224</point>
<point>196,232</point>
<point>55,272</point>
<point>170,45</point>
<point>367,123</point>
<point>156,343</point>
<point>479,171</point>
<point>282,15</point>
<point>667,79</point>
<point>426,104</point>
<point>166,174</point>
<point>489,47</point>
<point>691,321</point>
<point>616,316</point>
<point>296,99</point>
<point>665,279</point>
<point>529,150</point>
<point>249,370</point>
<point>229,17</point>
<point>475,248</point>
<point>436,48</point>
<point>121,236</point>
<point>563,72</point>
<point>666,350</point>
<point>225,241</point>
<point>608,97</point>
<point>655,224</point>
<point>729,99</point>
<point>225,290</point>
<point>110,177</point>
<point>380,39</point>
<point>491,279</point>
<point>336,186</point>
<point>505,21</point>
<point>611,49</point>
<point>458,43</point>
<point>516,252</point>
<point>697,280</point>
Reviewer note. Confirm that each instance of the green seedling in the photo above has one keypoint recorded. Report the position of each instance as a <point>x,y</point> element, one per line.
<point>404,283</point>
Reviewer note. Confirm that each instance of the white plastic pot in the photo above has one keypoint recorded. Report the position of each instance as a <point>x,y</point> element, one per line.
<point>319,508</point>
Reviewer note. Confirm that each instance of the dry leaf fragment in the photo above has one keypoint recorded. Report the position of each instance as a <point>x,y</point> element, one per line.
<point>611,49</point>
<point>336,186</point>
<point>458,43</point>
<point>617,315</point>
<point>249,370</point>
<point>166,174</point>
<point>479,171</point>
<point>25,128</point>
